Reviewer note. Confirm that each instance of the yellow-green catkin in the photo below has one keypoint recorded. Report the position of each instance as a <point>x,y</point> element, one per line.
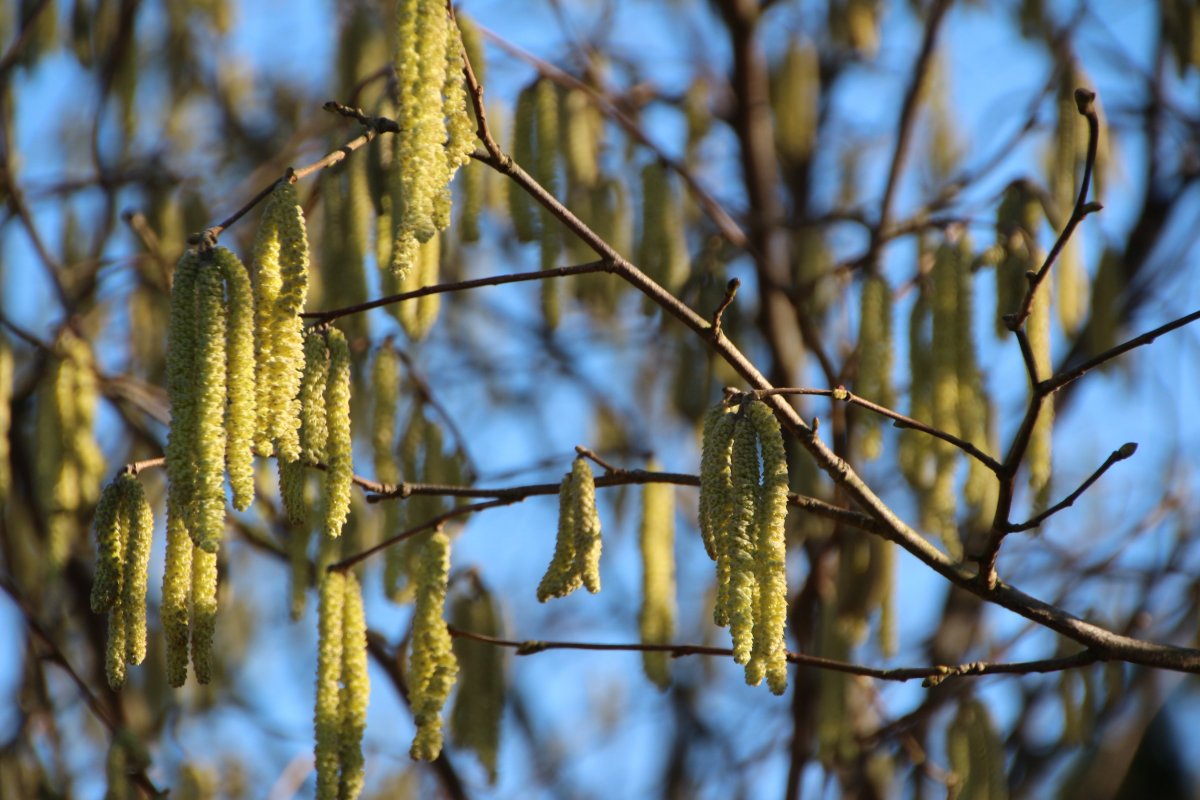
<point>182,394</point>
<point>795,94</point>
<point>662,252</point>
<point>561,578</point>
<point>240,414</point>
<point>137,565</point>
<point>479,703</point>
<point>417,316</point>
<point>339,472</point>
<point>656,619</point>
<point>204,612</point>
<point>355,692</point>
<point>546,173</point>
<point>433,667</point>
<point>175,610</point>
<point>292,484</point>
<point>208,512</point>
<point>524,148</point>
<point>280,291</point>
<point>581,131</point>
<point>6,388</point>
<point>111,531</point>
<point>314,381</point>
<point>116,764</point>
<point>587,526</point>
<point>298,536</point>
<point>327,718</point>
<point>915,448</point>
<point>1018,219</point>
<point>738,542</point>
<point>875,358</point>
<point>1039,454</point>
<point>770,559</point>
<point>114,648</point>
<point>940,506</point>
<point>344,241</point>
<point>1071,288</point>
<point>716,486</point>
<point>434,138</point>
<point>385,379</point>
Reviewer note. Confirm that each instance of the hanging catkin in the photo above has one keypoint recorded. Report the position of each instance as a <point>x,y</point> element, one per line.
<point>339,473</point>
<point>656,619</point>
<point>432,665</point>
<point>576,560</point>
<point>327,719</point>
<point>874,358</point>
<point>355,692</point>
<point>208,500</point>
<point>240,414</point>
<point>479,703</point>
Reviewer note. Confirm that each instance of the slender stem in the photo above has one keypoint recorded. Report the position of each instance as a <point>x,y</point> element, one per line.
<point>1120,454</point>
<point>847,396</point>
<point>321,317</point>
<point>931,675</point>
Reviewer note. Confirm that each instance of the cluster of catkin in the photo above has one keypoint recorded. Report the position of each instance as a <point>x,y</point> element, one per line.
<point>576,560</point>
<point>343,689</point>
<point>743,504</point>
<point>435,136</point>
<point>124,526</point>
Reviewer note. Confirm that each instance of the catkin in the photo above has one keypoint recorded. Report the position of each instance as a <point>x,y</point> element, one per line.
<point>240,416</point>
<point>656,620</point>
<point>176,599</point>
<point>137,564</point>
<point>114,649</point>
<point>524,147</point>
<point>327,717</point>
<point>739,542</point>
<point>716,487</point>
<point>770,557</point>
<point>587,526</point>
<point>795,94</point>
<point>314,431</point>
<point>339,473</point>
<point>1039,454</point>
<point>280,290</point>
<point>209,493</point>
<point>432,665</point>
<point>110,549</point>
<point>546,173</point>
<point>479,703</point>
<point>356,690</point>
<point>204,612</point>
<point>875,358</point>
<point>182,391</point>
<point>561,578</point>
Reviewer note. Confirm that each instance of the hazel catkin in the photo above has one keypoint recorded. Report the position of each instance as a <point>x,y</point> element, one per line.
<point>433,667</point>
<point>339,473</point>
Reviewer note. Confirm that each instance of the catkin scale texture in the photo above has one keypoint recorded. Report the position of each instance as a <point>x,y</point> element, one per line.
<point>137,564</point>
<point>339,474</point>
<point>210,436</point>
<point>356,690</point>
<point>175,610</point>
<point>327,717</point>
<point>240,416</point>
<point>433,667</point>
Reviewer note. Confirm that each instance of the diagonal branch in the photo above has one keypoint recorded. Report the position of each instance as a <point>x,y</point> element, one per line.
<point>1123,452</point>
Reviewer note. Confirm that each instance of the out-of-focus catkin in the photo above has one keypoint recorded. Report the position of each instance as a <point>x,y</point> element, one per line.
<point>874,358</point>
<point>479,704</point>
<point>656,619</point>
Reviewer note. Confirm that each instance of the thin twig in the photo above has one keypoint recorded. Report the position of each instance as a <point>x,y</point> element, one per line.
<point>321,317</point>
<point>845,395</point>
<point>1120,454</point>
<point>730,290</point>
<point>584,452</point>
<point>1067,376</point>
<point>931,675</point>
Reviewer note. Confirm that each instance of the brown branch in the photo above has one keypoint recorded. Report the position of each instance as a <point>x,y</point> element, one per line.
<point>726,301</point>
<point>321,317</point>
<point>931,675</point>
<point>1123,452</point>
<point>1067,376</point>
<point>883,521</point>
<point>1085,103</point>
<point>845,395</point>
<point>713,209</point>
<point>389,662</point>
<point>56,656</point>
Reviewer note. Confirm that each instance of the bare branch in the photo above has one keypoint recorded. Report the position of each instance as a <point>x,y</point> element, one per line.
<point>1123,452</point>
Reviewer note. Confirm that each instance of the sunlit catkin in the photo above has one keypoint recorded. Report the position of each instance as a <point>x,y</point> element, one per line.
<point>739,541</point>
<point>356,690</point>
<point>656,619</point>
<point>587,526</point>
<point>175,610</point>
<point>314,431</point>
<point>110,548</point>
<point>280,290</point>
<point>479,703</point>
<point>209,497</point>
<point>432,665</point>
<point>339,472</point>
<point>561,577</point>
<point>327,718</point>
<point>182,390</point>
<point>240,414</point>
<point>204,612</point>
<point>770,557</point>
<point>137,565</point>
<point>114,648</point>
<point>875,358</point>
<point>716,488</point>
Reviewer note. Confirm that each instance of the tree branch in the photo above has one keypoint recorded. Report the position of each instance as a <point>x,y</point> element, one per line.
<point>1123,452</point>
